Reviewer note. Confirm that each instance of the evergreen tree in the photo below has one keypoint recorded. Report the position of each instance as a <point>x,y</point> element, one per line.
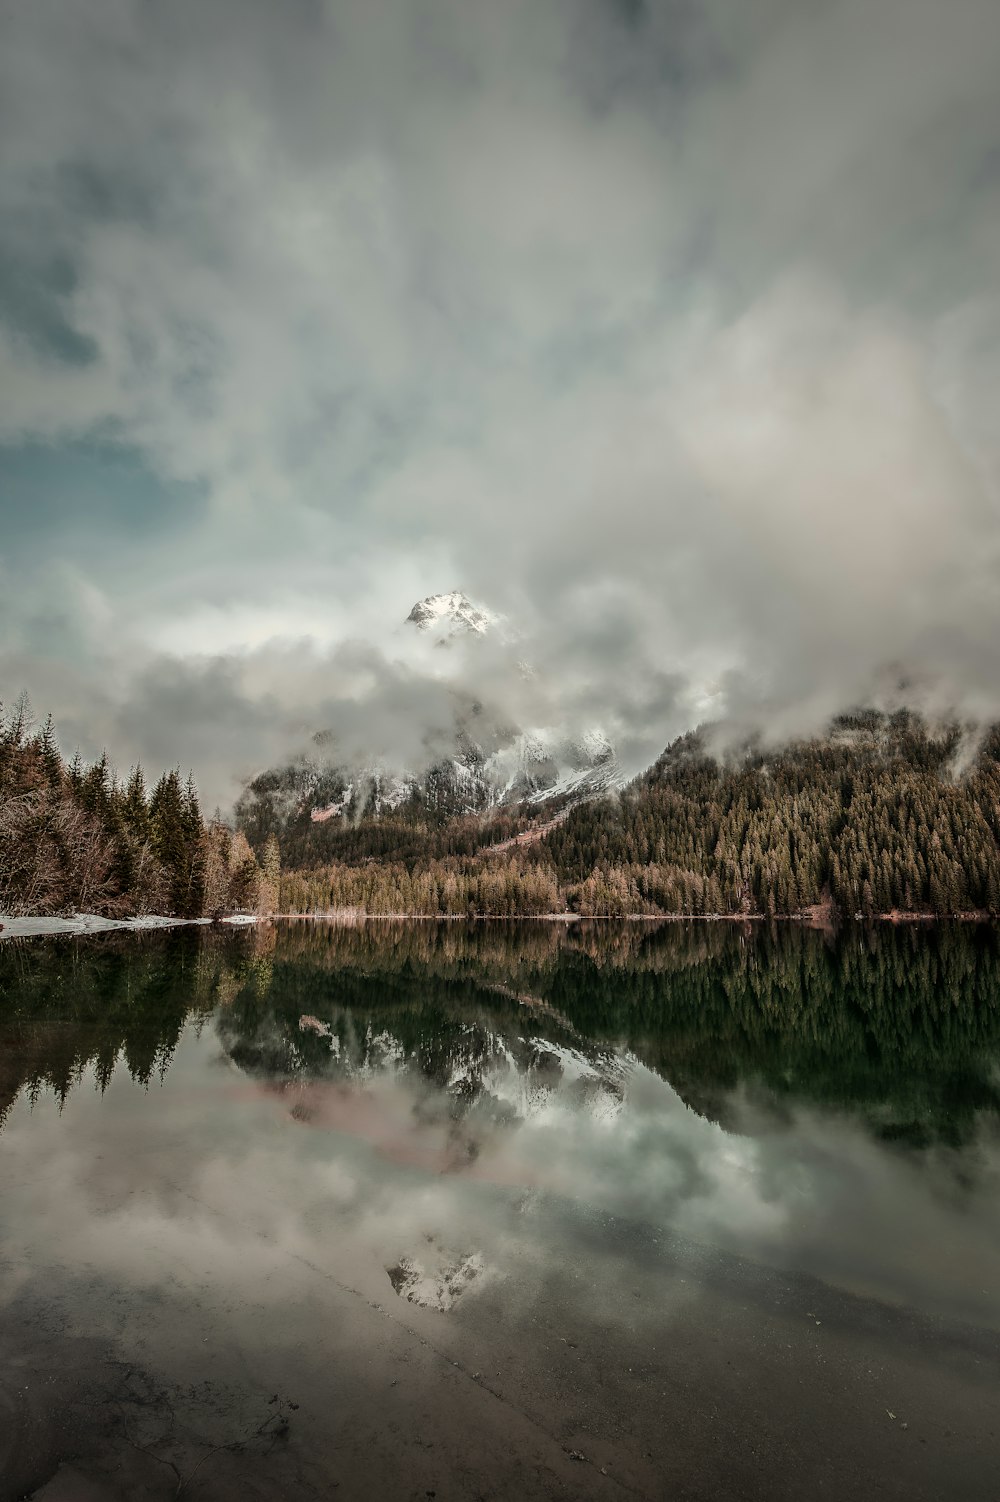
<point>135,806</point>
<point>73,838</point>
<point>270,889</point>
<point>75,773</point>
<point>95,788</point>
<point>169,832</point>
<point>48,754</point>
<point>194,853</point>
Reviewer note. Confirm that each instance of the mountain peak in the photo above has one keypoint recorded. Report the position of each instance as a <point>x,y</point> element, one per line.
<point>450,614</point>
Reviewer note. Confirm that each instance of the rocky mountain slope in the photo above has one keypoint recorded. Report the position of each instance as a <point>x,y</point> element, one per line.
<point>490,766</point>
<point>449,615</point>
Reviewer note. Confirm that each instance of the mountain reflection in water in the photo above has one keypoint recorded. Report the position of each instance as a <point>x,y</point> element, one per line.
<point>855,1080</point>
<point>897,1028</point>
<point>690,1204</point>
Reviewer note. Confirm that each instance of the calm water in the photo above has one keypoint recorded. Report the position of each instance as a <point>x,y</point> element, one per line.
<point>501,1211</point>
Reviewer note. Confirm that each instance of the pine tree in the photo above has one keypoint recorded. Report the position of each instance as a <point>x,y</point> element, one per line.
<point>135,806</point>
<point>169,836</point>
<point>73,837</point>
<point>48,752</point>
<point>20,722</point>
<point>194,852</point>
<point>270,889</point>
<point>95,788</point>
<point>244,877</point>
<point>75,773</point>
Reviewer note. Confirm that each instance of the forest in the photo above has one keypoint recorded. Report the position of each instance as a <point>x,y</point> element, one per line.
<point>882,815</point>
<point>77,838</point>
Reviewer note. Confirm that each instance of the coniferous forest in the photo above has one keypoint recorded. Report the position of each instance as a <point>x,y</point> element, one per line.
<point>881,815</point>
<point>77,838</point>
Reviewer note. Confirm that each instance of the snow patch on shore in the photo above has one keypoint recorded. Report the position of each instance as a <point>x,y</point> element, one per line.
<point>93,923</point>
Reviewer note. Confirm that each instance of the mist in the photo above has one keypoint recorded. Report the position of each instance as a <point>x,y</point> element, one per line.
<point>670,332</point>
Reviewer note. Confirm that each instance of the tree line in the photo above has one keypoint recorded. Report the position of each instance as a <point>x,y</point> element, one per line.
<point>880,815</point>
<point>437,888</point>
<point>900,1025</point>
<point>76,837</point>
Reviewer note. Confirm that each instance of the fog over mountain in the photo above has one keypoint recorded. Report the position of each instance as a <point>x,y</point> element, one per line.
<point>667,332</point>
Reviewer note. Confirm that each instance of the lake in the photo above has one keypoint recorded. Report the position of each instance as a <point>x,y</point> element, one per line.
<point>458,1211</point>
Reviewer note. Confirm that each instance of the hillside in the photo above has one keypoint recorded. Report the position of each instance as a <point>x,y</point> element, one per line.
<point>877,815</point>
<point>882,814</point>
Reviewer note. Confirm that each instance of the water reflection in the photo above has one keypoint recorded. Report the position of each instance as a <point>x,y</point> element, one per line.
<point>899,1028</point>
<point>67,1005</point>
<point>827,1105</point>
<point>578,1151</point>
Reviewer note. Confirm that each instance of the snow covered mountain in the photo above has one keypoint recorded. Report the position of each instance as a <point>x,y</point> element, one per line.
<point>514,1068</point>
<point>541,764</point>
<point>491,764</point>
<point>530,764</point>
<point>449,615</point>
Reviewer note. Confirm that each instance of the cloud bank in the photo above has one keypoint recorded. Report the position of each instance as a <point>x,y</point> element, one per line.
<point>670,330</point>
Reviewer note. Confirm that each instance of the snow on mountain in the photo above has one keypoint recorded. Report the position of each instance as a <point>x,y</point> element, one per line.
<point>490,765</point>
<point>543,763</point>
<point>449,615</point>
<point>531,767</point>
<point>534,764</point>
<point>529,1075</point>
<point>373,789</point>
<point>585,782</point>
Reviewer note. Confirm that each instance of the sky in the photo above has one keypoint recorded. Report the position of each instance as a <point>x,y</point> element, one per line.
<point>669,331</point>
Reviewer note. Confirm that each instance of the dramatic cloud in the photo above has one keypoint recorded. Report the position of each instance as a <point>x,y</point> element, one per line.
<point>670,330</point>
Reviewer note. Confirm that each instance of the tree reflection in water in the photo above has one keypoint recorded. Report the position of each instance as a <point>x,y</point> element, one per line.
<point>900,1027</point>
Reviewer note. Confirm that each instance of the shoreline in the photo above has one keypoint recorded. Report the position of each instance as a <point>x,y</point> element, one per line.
<point>348,916</point>
<point>86,924</point>
<point>55,925</point>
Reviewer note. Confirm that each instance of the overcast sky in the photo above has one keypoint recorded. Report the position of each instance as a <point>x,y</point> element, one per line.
<point>671,331</point>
